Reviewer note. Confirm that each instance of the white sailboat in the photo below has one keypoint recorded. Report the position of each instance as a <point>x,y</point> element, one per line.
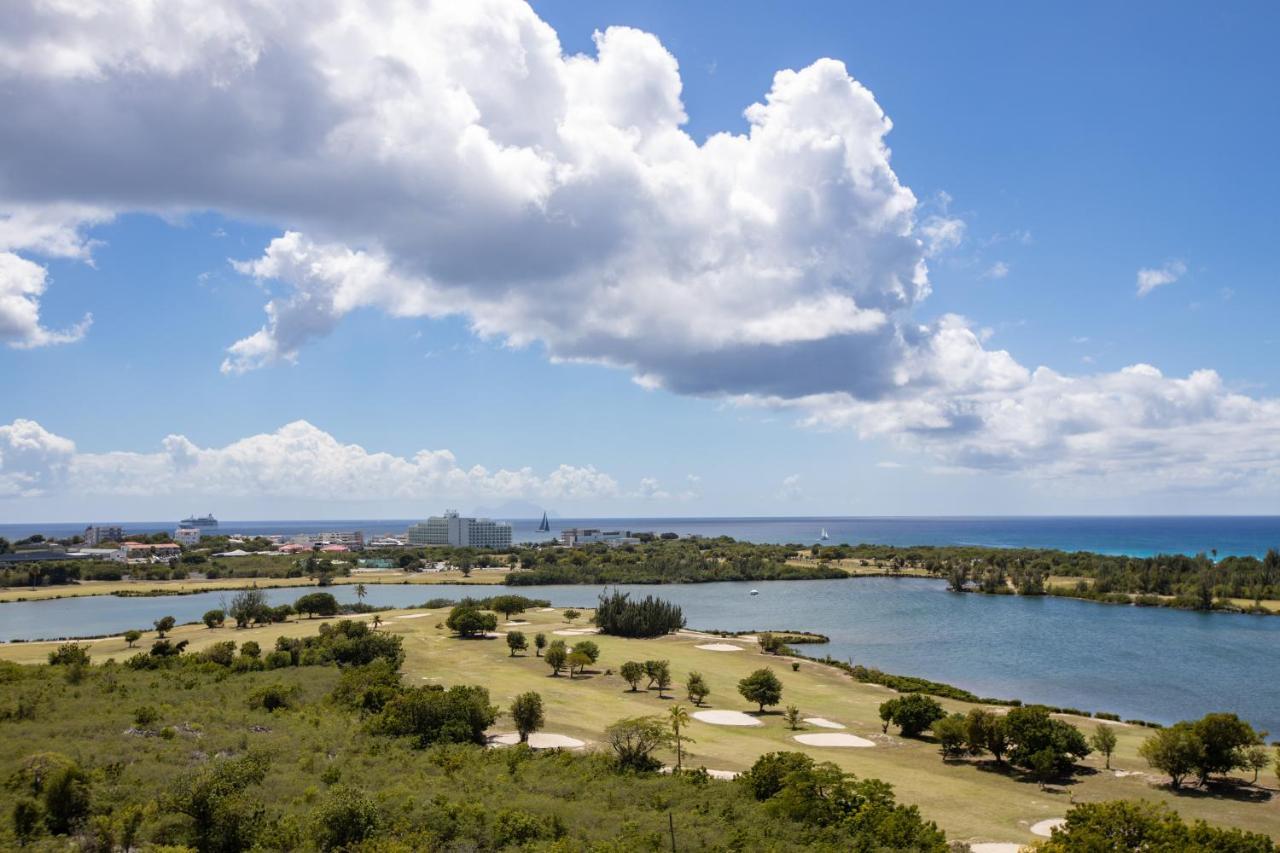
<point>823,535</point>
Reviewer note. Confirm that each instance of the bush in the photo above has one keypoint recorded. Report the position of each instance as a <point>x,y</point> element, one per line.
<point>951,733</point>
<point>68,654</point>
<point>467,621</point>
<point>431,714</point>
<point>695,687</point>
<point>635,740</point>
<point>145,716</point>
<point>766,776</point>
<point>345,818</point>
<point>273,697</point>
<point>1122,825</point>
<point>1042,744</point>
<point>214,618</point>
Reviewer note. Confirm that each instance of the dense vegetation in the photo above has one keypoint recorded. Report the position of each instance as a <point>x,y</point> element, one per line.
<point>665,561</point>
<point>294,751</point>
<point>618,615</point>
<point>1198,582</point>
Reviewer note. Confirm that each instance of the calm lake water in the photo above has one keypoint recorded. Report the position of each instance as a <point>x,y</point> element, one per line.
<point>1154,664</point>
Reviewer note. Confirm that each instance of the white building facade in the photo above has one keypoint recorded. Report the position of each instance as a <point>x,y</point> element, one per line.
<point>453,529</point>
<point>187,535</point>
<point>95,535</point>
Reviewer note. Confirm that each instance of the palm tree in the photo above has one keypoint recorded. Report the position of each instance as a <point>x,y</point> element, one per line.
<point>679,717</point>
<point>361,592</point>
<point>377,620</point>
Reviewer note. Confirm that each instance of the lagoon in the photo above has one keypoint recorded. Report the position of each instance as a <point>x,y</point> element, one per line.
<point>1150,663</point>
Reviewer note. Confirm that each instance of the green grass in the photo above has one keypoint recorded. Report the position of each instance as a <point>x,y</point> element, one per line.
<point>970,801</point>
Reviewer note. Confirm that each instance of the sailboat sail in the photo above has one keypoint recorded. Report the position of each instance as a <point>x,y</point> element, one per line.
<point>545,526</point>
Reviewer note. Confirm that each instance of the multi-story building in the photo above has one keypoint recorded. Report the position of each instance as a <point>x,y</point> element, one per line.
<point>187,535</point>
<point>95,535</point>
<point>572,536</point>
<point>453,529</point>
<point>354,540</point>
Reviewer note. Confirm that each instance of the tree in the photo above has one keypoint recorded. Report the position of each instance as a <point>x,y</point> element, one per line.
<point>985,730</point>
<point>632,671</point>
<point>361,592</point>
<point>516,642</point>
<point>570,615</point>
<point>556,656</point>
<point>1225,738</point>
<point>1033,732</point>
<point>886,715</point>
<point>1176,750</point>
<point>767,776</point>
<point>912,713</point>
<point>1043,765</point>
<point>313,604</point>
<point>588,648</point>
<point>792,716</point>
<point>377,620</point>
<point>769,644</point>
<point>1257,759</point>
<point>1137,825</point>
<point>1103,740</point>
<point>662,679</point>
<point>654,669</point>
<point>431,714</point>
<point>526,713</point>
<point>509,605</point>
<point>132,636</point>
<point>250,605</point>
<point>619,616</point>
<point>761,687</point>
<point>634,740</point>
<point>577,661</point>
<point>952,732</point>
<point>65,795</point>
<point>695,686</point>
<point>678,716</point>
<point>214,618</point>
<point>466,621</point>
<point>164,625</point>
<point>540,642</point>
<point>223,817</point>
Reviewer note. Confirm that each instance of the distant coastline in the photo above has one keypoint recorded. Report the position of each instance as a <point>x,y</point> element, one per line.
<point>1136,536</point>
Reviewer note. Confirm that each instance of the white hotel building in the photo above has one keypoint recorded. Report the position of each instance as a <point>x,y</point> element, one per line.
<point>452,529</point>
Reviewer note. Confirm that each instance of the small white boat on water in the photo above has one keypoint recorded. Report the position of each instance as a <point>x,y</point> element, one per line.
<point>755,592</point>
<point>823,535</point>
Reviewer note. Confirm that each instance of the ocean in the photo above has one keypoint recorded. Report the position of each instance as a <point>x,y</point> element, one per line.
<point>1137,536</point>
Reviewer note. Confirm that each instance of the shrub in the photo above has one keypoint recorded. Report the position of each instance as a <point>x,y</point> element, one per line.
<point>214,618</point>
<point>696,688</point>
<point>273,697</point>
<point>467,621</point>
<point>556,656</point>
<point>1042,744</point>
<point>431,714</point>
<point>766,776</point>
<point>68,654</point>
<point>635,740</point>
<point>951,733</point>
<point>345,818</point>
<point>1124,825</point>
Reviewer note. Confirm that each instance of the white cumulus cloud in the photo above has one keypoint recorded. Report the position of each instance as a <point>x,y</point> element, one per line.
<point>1149,278</point>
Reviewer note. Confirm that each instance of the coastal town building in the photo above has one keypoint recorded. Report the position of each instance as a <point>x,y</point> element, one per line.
<point>187,535</point>
<point>136,553</point>
<point>42,551</point>
<point>573,536</point>
<point>453,529</point>
<point>95,535</point>
<point>353,540</point>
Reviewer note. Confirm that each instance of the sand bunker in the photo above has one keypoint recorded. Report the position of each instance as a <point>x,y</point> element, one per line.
<point>516,622</point>
<point>577,632</point>
<point>995,847</point>
<point>833,740</point>
<point>414,616</point>
<point>719,647</point>
<point>714,774</point>
<point>539,740</point>
<point>726,718</point>
<point>1045,827</point>
<point>546,610</point>
<point>823,723</point>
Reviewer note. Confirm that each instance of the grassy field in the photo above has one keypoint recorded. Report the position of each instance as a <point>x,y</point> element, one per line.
<point>972,802</point>
<point>485,576</point>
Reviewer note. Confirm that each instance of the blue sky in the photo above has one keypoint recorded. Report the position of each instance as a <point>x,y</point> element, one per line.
<point>1071,147</point>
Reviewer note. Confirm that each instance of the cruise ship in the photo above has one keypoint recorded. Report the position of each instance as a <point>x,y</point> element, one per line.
<point>206,522</point>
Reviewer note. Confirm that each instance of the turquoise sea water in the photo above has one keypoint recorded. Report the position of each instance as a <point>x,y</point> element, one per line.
<point>1137,536</point>
<point>1150,663</point>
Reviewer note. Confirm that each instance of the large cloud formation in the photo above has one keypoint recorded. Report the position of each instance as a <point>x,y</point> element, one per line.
<point>437,158</point>
<point>299,460</point>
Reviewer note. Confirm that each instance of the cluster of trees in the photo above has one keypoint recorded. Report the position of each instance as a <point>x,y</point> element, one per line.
<point>1026,737</point>
<point>1214,745</point>
<point>618,615</point>
<point>1125,825</point>
<point>558,656</point>
<point>1199,582</point>
<point>662,560</point>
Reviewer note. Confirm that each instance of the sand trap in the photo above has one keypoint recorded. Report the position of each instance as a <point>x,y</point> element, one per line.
<point>516,622</point>
<point>719,647</point>
<point>1045,827</point>
<point>726,718</point>
<point>414,616</point>
<point>833,740</point>
<point>539,740</point>
<point>546,610</point>
<point>728,775</point>
<point>575,632</point>
<point>995,847</point>
<point>823,723</point>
